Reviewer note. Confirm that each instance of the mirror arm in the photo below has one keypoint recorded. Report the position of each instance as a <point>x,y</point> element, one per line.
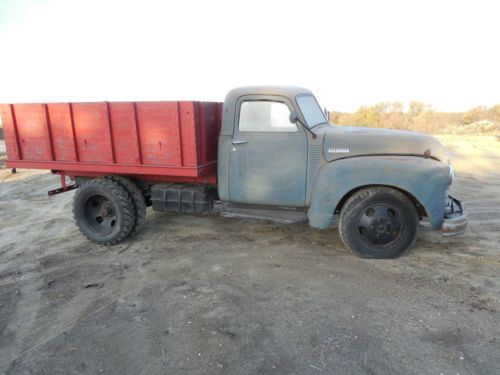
<point>306,127</point>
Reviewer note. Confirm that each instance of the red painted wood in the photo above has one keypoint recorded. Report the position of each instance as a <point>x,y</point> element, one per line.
<point>99,168</point>
<point>158,133</point>
<point>48,132</point>
<point>202,132</point>
<point>77,153</point>
<point>188,134</point>
<point>31,129</point>
<point>211,124</point>
<point>164,141</point>
<point>10,132</point>
<point>62,132</point>
<point>110,133</point>
<point>206,179</point>
<point>91,131</point>
<point>136,125</point>
<point>125,142</point>
<point>16,132</point>
<point>179,124</point>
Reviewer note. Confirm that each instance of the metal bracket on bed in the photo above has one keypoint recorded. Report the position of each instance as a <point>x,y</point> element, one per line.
<point>64,188</point>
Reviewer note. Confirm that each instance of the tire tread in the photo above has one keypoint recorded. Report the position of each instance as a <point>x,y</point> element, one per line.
<point>352,202</point>
<point>125,202</point>
<point>137,199</point>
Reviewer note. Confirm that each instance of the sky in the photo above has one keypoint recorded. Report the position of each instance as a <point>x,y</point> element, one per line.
<point>349,53</point>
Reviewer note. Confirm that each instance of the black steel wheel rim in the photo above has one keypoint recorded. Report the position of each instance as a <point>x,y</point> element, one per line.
<point>379,224</point>
<point>100,214</point>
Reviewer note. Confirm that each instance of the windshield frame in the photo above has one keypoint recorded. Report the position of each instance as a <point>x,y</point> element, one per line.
<point>318,106</point>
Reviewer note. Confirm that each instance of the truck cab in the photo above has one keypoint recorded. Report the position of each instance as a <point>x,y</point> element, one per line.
<point>277,152</point>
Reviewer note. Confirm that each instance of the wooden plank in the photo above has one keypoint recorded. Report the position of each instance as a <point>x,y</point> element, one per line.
<point>92,134</point>
<point>113,168</point>
<point>136,125</point>
<point>73,130</point>
<point>48,132</point>
<point>203,134</point>
<point>10,132</point>
<point>179,125</point>
<point>188,130</point>
<point>124,132</point>
<point>61,131</point>
<point>158,133</point>
<point>30,120</point>
<point>109,133</point>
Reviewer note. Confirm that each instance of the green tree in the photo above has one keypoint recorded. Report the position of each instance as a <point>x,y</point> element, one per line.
<point>475,114</point>
<point>367,116</point>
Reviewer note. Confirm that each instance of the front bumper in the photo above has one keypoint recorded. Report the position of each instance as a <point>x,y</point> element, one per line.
<point>455,217</point>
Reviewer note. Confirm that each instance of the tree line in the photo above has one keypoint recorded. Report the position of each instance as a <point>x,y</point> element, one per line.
<point>417,116</point>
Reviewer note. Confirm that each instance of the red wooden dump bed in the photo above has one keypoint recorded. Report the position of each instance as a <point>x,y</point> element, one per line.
<point>169,141</point>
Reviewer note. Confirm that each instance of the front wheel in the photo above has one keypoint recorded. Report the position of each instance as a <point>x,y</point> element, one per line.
<point>103,211</point>
<point>378,222</point>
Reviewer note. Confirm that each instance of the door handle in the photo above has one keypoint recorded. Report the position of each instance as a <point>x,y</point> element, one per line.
<point>239,142</point>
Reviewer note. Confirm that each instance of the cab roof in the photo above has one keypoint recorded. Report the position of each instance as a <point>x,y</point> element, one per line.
<point>288,91</point>
<point>229,108</point>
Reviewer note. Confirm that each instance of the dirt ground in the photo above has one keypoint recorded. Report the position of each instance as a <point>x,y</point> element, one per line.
<point>220,296</point>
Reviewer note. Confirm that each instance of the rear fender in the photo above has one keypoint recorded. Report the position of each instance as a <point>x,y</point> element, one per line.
<point>425,179</point>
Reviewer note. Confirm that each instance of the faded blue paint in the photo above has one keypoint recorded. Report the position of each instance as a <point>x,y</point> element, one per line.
<point>426,179</point>
<point>223,166</point>
<point>229,120</point>
<point>302,171</point>
<point>359,141</point>
<point>270,169</point>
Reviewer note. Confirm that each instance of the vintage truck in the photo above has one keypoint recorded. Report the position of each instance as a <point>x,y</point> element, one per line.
<point>266,152</point>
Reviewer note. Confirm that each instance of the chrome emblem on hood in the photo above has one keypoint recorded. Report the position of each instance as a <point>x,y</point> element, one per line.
<point>335,150</point>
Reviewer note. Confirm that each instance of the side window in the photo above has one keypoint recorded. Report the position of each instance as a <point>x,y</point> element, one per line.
<point>265,116</point>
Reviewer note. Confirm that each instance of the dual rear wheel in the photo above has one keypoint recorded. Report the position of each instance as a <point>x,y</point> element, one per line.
<point>107,210</point>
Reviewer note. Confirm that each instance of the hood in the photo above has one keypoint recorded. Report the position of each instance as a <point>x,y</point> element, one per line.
<point>347,141</point>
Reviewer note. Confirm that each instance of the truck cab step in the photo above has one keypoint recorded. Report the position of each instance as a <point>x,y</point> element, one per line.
<point>286,215</point>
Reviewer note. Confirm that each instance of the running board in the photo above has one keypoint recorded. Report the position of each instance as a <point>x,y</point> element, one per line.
<point>285,215</point>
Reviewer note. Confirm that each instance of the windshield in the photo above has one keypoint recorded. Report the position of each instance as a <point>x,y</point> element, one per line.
<point>311,110</point>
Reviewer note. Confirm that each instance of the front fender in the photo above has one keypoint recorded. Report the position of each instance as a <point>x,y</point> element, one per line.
<point>426,179</point>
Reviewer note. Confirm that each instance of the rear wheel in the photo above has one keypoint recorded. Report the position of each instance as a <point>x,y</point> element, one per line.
<point>378,222</point>
<point>103,211</point>
<point>137,199</point>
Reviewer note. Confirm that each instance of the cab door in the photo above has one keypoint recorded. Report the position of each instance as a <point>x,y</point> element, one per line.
<point>268,157</point>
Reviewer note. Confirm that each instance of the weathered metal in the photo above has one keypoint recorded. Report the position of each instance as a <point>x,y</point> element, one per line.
<point>426,180</point>
<point>455,218</point>
<point>286,215</point>
<point>64,187</point>
<point>190,199</point>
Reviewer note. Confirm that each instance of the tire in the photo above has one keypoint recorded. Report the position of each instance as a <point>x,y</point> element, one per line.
<point>137,199</point>
<point>103,211</point>
<point>378,222</point>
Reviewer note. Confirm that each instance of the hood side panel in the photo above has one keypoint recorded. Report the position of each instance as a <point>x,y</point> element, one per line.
<point>348,141</point>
